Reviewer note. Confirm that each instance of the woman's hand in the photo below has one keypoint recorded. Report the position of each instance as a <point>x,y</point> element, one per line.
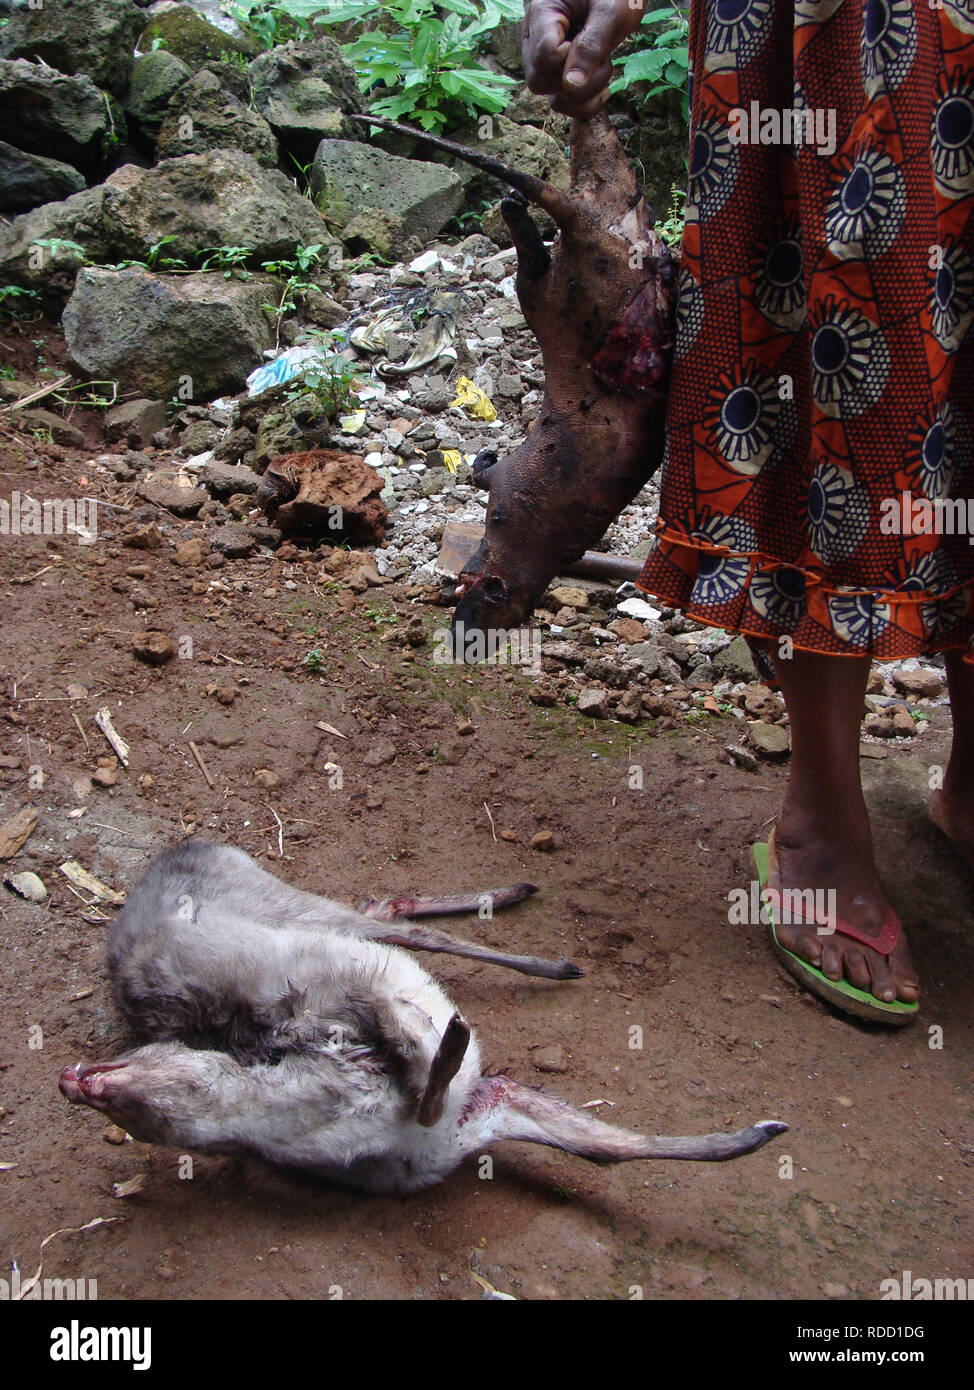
<point>568,46</point>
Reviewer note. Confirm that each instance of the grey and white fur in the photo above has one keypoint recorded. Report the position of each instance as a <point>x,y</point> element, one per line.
<point>286,1026</point>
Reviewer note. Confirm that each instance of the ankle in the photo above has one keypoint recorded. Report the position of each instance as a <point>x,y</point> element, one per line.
<point>841,827</point>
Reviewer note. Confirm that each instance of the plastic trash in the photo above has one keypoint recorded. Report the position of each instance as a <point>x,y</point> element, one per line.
<point>283,368</point>
<point>475,402</point>
<point>352,423</point>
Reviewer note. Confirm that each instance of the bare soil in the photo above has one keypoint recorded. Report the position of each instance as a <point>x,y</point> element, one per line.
<point>635,890</point>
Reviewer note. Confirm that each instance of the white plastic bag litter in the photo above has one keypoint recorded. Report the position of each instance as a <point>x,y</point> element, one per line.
<point>283,368</point>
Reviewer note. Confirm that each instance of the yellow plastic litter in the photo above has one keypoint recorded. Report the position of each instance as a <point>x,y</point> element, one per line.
<point>474,401</point>
<point>352,424</point>
<point>452,458</point>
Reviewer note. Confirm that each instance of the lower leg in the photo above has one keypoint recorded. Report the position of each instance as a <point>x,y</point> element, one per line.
<point>952,806</point>
<point>822,837</point>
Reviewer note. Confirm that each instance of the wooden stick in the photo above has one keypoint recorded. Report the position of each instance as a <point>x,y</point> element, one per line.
<point>202,765</point>
<point>117,744</point>
<point>38,395</point>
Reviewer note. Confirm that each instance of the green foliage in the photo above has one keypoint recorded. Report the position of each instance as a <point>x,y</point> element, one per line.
<point>17,303</point>
<point>270,22</point>
<point>292,273</point>
<point>661,56</point>
<point>423,64</point>
<point>229,259</point>
<point>671,229</point>
<point>56,244</point>
<point>155,260</point>
<point>330,382</point>
<point>415,56</point>
<point>315,660</point>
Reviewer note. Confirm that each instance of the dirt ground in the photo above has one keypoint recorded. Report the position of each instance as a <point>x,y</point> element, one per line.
<point>635,891</point>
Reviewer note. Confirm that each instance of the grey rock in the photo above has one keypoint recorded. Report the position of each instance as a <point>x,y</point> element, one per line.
<point>565,653</point>
<point>29,180</point>
<point>192,39</point>
<point>235,542</point>
<point>156,78</point>
<point>135,422</point>
<point>550,1059</point>
<point>51,113</point>
<point>152,333</point>
<point>735,662</point>
<point>653,660</point>
<point>27,886</point>
<point>225,479</point>
<point>46,422</point>
<point>304,91</point>
<point>233,447</point>
<point>594,703</point>
<point>51,274</point>
<point>382,753</point>
<point>348,178</point>
<point>269,536</point>
<point>165,492</point>
<point>204,115</point>
<point>223,198</point>
<point>771,740</point>
<point>199,437</point>
<point>608,671</point>
<point>77,36</point>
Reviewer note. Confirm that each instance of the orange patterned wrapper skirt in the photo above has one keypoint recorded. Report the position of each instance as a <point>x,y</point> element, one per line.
<point>818,480</point>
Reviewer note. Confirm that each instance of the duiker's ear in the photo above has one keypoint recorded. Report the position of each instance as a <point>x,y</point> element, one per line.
<point>513,1111</point>
<point>444,1067</point>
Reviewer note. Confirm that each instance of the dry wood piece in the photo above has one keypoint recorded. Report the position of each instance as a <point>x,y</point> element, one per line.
<point>117,744</point>
<point>81,878</point>
<point>201,764</point>
<point>14,834</point>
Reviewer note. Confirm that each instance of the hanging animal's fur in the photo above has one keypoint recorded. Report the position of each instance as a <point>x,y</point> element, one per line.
<point>602,305</point>
<point>287,1026</point>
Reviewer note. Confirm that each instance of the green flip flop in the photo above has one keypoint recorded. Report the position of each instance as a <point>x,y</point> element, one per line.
<point>842,994</point>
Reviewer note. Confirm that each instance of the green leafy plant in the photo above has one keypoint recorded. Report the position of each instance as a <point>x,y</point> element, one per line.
<point>57,244</point>
<point>293,273</point>
<point>671,228</point>
<point>271,22</point>
<point>18,303</point>
<point>415,57</point>
<point>229,259</point>
<point>155,260</point>
<point>661,56</point>
<point>315,660</point>
<point>330,381</point>
<point>420,66</point>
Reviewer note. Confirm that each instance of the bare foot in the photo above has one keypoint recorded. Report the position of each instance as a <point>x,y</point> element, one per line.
<point>846,868</point>
<point>955,817</point>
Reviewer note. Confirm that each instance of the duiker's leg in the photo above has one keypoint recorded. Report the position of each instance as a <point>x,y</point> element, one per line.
<point>450,905</point>
<point>504,1109</point>
<point>420,938</point>
<point>416,938</point>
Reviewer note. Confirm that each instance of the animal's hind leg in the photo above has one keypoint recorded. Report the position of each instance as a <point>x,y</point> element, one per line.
<point>422,938</point>
<point>391,909</point>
